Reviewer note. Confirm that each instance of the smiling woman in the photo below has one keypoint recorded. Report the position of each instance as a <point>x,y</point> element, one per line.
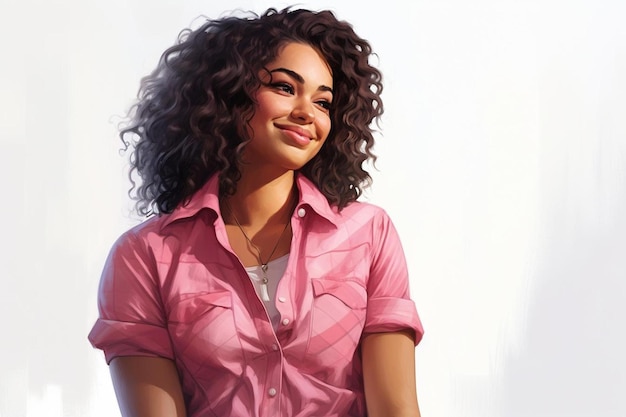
<point>262,286</point>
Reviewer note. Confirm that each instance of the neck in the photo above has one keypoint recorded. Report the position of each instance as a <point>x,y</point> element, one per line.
<point>263,200</point>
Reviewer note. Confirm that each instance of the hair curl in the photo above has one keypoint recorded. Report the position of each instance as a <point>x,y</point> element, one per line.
<point>190,118</point>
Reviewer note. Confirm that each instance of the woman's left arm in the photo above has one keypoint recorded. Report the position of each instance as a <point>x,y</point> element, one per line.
<point>389,374</point>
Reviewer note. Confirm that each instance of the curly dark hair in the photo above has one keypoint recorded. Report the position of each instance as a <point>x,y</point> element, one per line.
<point>190,118</point>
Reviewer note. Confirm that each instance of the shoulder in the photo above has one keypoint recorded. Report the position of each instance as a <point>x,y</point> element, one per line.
<point>365,208</point>
<point>143,231</point>
<point>145,236</point>
<point>363,212</point>
<point>374,223</point>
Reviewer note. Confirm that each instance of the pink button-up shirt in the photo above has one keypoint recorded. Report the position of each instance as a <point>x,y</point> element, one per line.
<point>172,287</point>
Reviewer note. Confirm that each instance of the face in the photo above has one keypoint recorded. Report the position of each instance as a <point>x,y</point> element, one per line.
<point>292,115</point>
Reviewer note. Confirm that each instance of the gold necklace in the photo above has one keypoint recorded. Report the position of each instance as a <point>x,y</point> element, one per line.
<point>264,293</point>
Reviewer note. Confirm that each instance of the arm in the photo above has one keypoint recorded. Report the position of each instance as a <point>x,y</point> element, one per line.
<point>132,332</point>
<point>389,374</point>
<point>147,387</point>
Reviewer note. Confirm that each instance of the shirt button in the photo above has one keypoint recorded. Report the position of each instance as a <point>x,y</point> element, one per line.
<point>301,212</point>
<point>282,299</point>
<point>274,346</point>
<point>272,392</point>
<point>285,322</point>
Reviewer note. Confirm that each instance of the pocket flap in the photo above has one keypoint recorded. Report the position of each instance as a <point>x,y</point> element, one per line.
<point>350,293</point>
<point>192,308</point>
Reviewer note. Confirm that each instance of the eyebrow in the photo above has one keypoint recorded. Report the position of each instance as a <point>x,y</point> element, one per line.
<point>299,78</point>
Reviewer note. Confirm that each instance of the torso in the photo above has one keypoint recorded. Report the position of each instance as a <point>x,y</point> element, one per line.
<point>181,292</point>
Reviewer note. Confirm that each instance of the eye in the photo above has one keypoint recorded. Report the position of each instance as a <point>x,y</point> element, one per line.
<point>325,104</point>
<point>284,87</point>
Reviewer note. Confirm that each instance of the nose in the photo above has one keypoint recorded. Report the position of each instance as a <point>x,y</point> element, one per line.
<point>303,111</point>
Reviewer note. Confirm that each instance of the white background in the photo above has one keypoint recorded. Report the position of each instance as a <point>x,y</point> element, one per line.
<point>502,163</point>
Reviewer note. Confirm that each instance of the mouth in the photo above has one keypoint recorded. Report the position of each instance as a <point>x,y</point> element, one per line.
<point>297,134</point>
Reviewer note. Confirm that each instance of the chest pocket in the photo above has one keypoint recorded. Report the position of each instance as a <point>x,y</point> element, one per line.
<point>203,330</point>
<point>337,319</point>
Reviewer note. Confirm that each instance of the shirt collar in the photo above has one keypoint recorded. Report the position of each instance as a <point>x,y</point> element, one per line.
<point>207,197</point>
<point>310,195</point>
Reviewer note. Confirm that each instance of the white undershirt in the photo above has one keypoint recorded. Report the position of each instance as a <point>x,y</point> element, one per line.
<point>275,270</point>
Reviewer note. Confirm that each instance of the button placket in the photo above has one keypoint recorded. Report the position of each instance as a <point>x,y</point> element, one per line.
<point>272,386</point>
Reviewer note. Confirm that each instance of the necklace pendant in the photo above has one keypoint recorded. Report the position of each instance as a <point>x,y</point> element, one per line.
<point>265,295</point>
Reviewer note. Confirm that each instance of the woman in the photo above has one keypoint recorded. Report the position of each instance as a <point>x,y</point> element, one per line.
<point>262,288</point>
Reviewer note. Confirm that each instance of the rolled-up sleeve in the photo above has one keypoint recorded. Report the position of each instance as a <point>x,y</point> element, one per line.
<point>389,306</point>
<point>132,320</point>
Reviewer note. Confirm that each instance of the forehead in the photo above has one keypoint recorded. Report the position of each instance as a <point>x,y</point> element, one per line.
<point>305,60</point>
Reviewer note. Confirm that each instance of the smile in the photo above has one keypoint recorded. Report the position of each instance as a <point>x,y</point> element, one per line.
<point>296,134</point>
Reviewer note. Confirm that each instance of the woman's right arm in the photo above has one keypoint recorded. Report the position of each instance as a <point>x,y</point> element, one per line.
<point>147,387</point>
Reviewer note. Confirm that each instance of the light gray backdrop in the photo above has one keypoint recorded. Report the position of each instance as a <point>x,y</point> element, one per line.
<point>502,162</point>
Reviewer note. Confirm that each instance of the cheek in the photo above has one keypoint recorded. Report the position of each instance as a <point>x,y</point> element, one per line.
<point>323,126</point>
<point>262,107</point>
<point>260,110</point>
<point>269,105</point>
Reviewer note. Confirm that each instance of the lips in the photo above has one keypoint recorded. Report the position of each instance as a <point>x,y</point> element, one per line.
<point>297,134</point>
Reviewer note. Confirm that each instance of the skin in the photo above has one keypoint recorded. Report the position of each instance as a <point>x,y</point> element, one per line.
<point>147,387</point>
<point>293,102</point>
<point>389,374</point>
